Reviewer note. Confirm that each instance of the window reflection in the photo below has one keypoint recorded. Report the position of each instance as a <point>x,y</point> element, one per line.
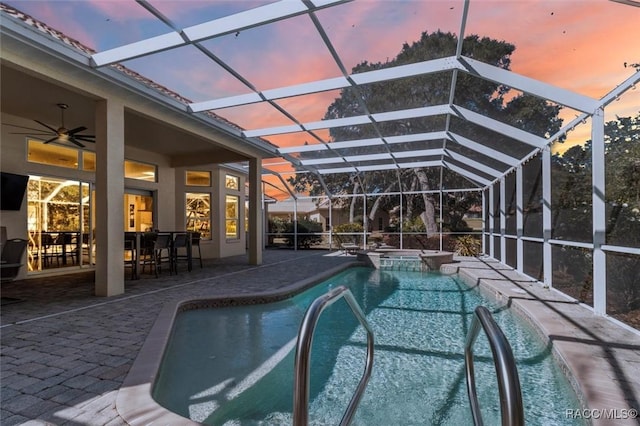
<point>89,161</point>
<point>55,155</point>
<point>140,171</point>
<point>198,208</point>
<point>232,215</point>
<point>198,178</point>
<point>232,182</point>
<point>57,221</point>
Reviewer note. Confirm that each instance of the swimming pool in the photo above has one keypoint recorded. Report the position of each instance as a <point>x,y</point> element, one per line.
<point>234,365</point>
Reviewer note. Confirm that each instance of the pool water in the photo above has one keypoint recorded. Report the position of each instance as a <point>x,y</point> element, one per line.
<point>234,365</point>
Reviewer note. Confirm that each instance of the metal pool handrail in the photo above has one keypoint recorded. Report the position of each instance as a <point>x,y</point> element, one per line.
<point>511,407</point>
<point>303,352</point>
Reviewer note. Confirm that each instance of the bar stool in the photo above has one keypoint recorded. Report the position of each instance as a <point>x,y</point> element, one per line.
<point>181,250</point>
<point>130,258</point>
<point>159,250</point>
<point>195,242</point>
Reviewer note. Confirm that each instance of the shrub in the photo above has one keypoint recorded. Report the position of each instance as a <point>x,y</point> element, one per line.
<point>354,231</point>
<point>468,245</point>
<point>308,231</point>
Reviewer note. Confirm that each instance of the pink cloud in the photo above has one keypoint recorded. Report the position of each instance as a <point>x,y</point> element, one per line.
<point>122,11</point>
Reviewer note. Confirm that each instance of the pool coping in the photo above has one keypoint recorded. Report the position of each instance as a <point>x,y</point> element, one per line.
<point>134,401</point>
<point>595,387</point>
<point>589,348</point>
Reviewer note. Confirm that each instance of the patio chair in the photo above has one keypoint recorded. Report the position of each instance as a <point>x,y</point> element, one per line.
<point>12,252</point>
<point>50,250</point>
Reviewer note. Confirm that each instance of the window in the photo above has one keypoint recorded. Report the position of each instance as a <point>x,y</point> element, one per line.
<point>231,220</point>
<point>55,155</point>
<point>198,178</point>
<point>232,182</point>
<point>199,213</point>
<point>140,171</point>
<point>89,161</point>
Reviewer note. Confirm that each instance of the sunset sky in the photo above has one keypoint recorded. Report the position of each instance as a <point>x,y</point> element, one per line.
<point>579,45</point>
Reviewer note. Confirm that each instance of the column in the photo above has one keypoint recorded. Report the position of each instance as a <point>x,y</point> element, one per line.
<point>599,214</point>
<point>546,218</point>
<point>255,211</point>
<point>519,219</point>
<point>109,198</point>
<point>503,220</point>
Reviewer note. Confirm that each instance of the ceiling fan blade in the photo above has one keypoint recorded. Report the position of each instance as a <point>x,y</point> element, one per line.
<point>85,138</point>
<point>23,127</point>
<point>30,133</point>
<point>47,126</point>
<point>73,140</point>
<point>55,138</point>
<point>76,130</point>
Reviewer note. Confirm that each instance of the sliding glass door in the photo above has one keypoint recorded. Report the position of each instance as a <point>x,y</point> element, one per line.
<point>59,223</point>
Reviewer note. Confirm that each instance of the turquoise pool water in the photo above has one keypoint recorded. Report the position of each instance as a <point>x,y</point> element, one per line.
<point>234,365</point>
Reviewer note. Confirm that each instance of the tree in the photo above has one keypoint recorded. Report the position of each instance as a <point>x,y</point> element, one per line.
<point>572,193</point>
<point>486,97</point>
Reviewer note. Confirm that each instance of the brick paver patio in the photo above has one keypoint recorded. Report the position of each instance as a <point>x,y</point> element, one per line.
<point>65,352</point>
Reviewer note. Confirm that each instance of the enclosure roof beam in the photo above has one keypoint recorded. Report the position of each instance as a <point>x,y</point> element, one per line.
<point>499,127</point>
<point>368,77</point>
<point>353,121</point>
<point>467,174</point>
<point>472,163</point>
<point>528,85</point>
<point>365,142</point>
<point>482,149</point>
<point>251,18</point>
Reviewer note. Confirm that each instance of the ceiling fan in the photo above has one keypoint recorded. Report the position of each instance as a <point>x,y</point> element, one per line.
<point>62,134</point>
